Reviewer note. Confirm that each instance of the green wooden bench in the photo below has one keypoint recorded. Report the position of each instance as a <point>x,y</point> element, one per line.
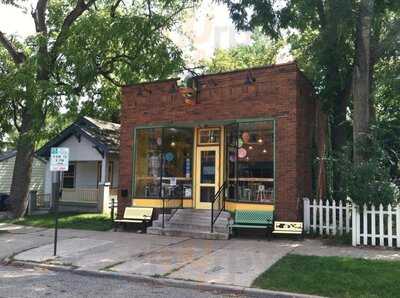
<point>135,215</point>
<point>253,220</point>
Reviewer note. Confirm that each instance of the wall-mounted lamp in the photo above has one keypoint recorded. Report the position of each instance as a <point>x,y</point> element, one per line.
<point>173,89</point>
<point>250,79</point>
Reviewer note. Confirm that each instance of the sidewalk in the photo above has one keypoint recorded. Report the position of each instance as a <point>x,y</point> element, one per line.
<point>229,262</point>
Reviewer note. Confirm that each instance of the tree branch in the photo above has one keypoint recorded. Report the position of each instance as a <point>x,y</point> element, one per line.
<point>74,14</point>
<point>18,57</point>
<point>39,16</point>
<point>114,7</point>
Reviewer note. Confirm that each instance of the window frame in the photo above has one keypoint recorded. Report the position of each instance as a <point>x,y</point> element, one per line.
<point>71,165</point>
<point>236,176</point>
<point>162,128</point>
<point>200,124</point>
<point>199,130</point>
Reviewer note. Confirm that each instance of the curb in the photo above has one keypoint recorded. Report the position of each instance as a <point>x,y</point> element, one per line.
<point>177,283</point>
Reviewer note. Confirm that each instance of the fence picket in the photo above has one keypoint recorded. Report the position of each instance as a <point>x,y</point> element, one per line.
<point>381,231</point>
<point>327,219</point>
<point>358,225</point>
<point>334,228</point>
<point>398,225</point>
<point>314,216</point>
<point>340,218</point>
<point>348,217</point>
<point>373,225</point>
<point>389,227</point>
<point>306,210</point>
<point>365,226</point>
<point>354,224</point>
<point>321,221</point>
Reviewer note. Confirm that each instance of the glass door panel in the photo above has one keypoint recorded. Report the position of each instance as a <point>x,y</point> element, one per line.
<point>207,175</point>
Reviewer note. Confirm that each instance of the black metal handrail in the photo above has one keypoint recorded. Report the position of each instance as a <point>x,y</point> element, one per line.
<point>172,204</point>
<point>217,204</point>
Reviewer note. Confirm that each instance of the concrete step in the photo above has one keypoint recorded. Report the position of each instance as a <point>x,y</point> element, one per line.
<point>196,227</point>
<point>188,233</point>
<point>192,223</point>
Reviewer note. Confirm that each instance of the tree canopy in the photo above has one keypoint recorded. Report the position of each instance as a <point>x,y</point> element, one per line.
<point>261,51</point>
<point>83,49</point>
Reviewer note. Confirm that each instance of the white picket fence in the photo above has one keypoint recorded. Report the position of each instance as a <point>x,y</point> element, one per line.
<point>372,226</point>
<point>327,217</point>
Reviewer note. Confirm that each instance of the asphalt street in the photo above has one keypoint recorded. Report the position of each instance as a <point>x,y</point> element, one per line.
<point>23,282</point>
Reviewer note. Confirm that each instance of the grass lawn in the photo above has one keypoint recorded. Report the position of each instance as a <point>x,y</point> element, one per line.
<point>83,221</point>
<point>333,277</point>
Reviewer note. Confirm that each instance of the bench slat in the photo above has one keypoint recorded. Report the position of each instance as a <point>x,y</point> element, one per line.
<point>129,220</point>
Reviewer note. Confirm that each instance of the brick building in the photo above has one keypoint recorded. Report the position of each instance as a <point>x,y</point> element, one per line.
<point>249,131</point>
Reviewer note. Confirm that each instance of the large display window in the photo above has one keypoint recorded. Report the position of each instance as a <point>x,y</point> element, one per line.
<point>163,163</point>
<point>250,164</point>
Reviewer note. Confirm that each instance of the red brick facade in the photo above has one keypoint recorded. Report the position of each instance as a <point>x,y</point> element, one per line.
<point>280,92</point>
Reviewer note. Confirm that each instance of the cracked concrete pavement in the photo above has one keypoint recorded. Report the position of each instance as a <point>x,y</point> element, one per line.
<point>232,262</point>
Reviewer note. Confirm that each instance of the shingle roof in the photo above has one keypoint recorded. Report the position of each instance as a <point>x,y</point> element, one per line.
<point>105,132</point>
<point>11,153</point>
<point>104,135</point>
<point>7,154</point>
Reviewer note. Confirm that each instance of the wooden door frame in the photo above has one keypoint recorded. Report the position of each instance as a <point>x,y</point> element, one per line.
<point>201,205</point>
<point>220,168</point>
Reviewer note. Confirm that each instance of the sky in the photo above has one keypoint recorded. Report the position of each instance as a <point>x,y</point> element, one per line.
<point>208,29</point>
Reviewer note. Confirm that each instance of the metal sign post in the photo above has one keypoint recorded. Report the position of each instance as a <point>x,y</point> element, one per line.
<point>59,162</point>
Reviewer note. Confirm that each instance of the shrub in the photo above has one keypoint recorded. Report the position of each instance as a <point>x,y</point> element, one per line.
<point>369,181</point>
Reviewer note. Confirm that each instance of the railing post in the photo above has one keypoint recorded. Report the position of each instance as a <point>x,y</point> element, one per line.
<point>163,213</point>
<point>112,209</point>
<point>212,217</point>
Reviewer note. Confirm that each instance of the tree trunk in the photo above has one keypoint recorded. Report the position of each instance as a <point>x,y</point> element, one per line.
<point>22,168</point>
<point>361,81</point>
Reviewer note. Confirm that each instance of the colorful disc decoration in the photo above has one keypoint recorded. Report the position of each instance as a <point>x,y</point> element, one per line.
<point>242,153</point>
<point>169,156</point>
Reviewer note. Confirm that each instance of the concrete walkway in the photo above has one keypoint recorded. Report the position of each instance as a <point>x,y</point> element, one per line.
<point>232,262</point>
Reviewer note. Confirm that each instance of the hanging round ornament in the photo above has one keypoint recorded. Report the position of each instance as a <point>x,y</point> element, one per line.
<point>240,142</point>
<point>242,153</point>
<point>169,156</point>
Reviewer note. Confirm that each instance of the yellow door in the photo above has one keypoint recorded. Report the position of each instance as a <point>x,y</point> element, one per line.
<point>207,175</point>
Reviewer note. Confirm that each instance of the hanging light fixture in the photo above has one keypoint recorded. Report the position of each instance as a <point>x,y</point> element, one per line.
<point>264,151</point>
<point>259,140</point>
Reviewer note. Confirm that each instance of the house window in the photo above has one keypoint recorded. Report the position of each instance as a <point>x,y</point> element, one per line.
<point>209,136</point>
<point>69,177</point>
<point>163,163</point>
<point>250,165</point>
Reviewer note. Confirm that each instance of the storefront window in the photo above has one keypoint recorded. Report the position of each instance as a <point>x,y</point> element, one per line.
<point>148,162</point>
<point>250,149</point>
<point>163,166</point>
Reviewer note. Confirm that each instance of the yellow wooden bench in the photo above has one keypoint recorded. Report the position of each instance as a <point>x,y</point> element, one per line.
<point>135,215</point>
<point>288,227</point>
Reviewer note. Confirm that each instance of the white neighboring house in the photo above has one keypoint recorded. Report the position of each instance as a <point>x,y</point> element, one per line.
<point>93,170</point>
<point>7,161</point>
